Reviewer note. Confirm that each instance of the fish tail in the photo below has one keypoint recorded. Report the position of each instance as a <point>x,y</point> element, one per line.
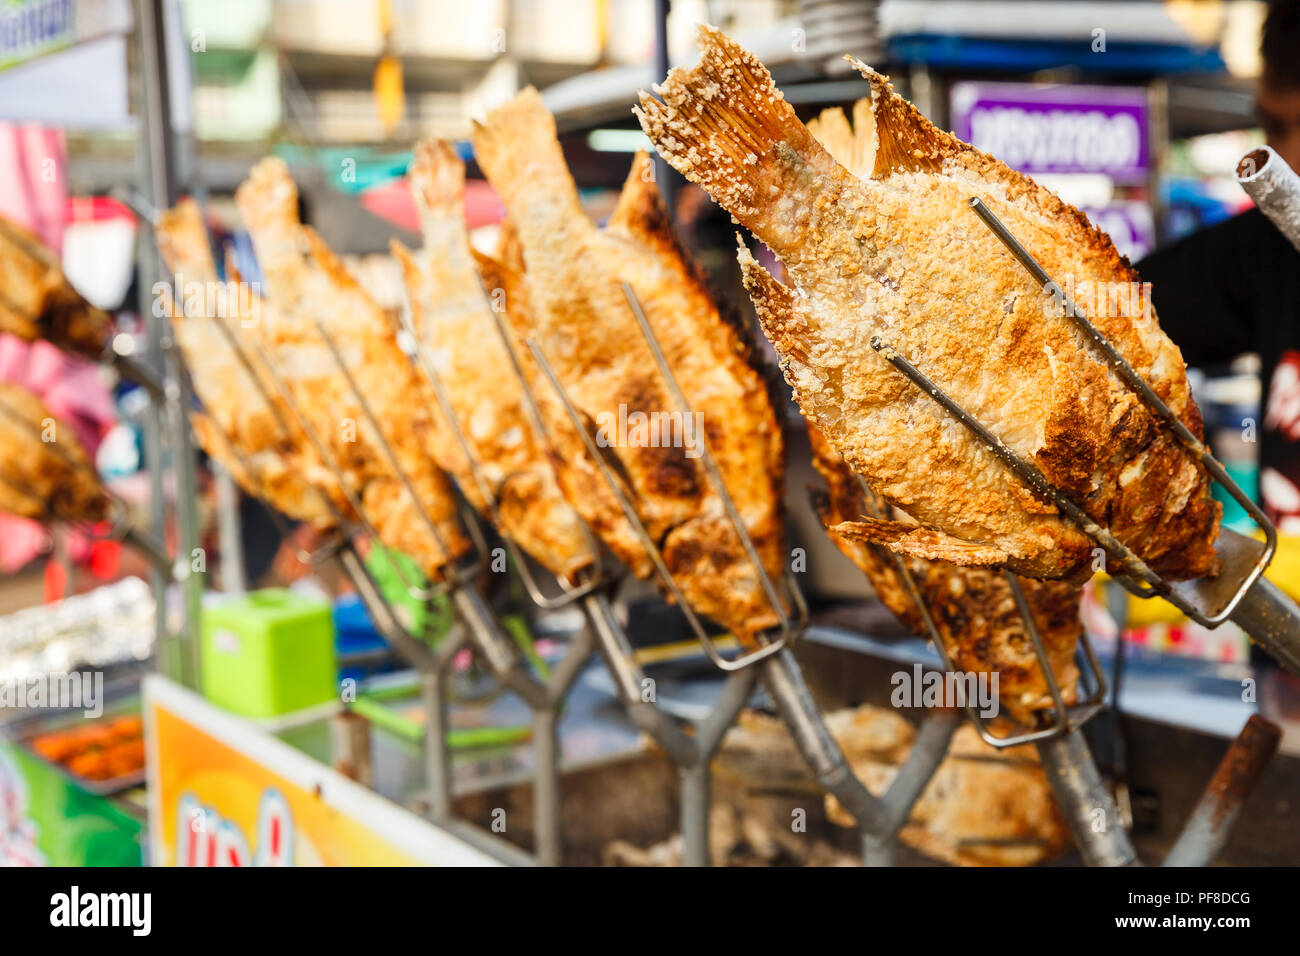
<point>437,177</point>
<point>724,125</point>
<point>518,150</point>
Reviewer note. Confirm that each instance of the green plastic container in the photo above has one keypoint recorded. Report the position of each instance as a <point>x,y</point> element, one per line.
<point>269,653</point>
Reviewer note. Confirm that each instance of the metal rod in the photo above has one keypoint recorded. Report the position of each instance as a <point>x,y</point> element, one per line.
<point>784,683</point>
<point>638,526</point>
<point>629,681</point>
<point>697,798</point>
<point>389,453</point>
<point>437,754</point>
<point>706,456</point>
<point>569,593</point>
<point>547,835</point>
<point>1089,810</point>
<point>1153,402</point>
<point>351,750</point>
<point>1027,472</point>
<point>416,653</point>
<point>499,652</point>
<point>1269,616</point>
<point>928,751</point>
<point>1207,829</point>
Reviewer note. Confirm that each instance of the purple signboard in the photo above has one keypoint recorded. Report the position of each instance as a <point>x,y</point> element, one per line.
<point>1057,129</point>
<point>1129,224</point>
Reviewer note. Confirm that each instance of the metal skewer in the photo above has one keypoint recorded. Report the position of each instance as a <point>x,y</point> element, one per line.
<point>1260,608</point>
<point>121,527</point>
<point>878,819</point>
<point>569,592</point>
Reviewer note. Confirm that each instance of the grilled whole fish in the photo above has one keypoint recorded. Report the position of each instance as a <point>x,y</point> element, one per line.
<point>578,313</point>
<point>459,337</point>
<point>245,424</point>
<point>972,608</point>
<point>38,302</point>
<point>900,255</point>
<point>45,472</point>
<point>310,289</point>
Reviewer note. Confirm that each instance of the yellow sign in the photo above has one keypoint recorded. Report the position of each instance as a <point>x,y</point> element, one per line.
<point>223,792</point>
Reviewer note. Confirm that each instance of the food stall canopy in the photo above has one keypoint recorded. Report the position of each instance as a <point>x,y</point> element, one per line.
<point>63,63</point>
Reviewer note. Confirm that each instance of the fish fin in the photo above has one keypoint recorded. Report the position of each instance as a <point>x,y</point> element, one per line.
<point>339,275</point>
<point>268,198</point>
<point>182,240</point>
<point>905,140</point>
<point>437,176</point>
<point>924,543</point>
<point>640,213</point>
<point>852,145</point>
<point>497,274</point>
<point>724,125</point>
<point>783,320</point>
<point>509,250</point>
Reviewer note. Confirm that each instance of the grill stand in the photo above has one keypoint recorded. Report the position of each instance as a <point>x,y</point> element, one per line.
<point>878,819</point>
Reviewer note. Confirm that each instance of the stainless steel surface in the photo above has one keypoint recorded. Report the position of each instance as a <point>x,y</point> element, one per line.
<point>1210,824</point>
<point>1089,810</point>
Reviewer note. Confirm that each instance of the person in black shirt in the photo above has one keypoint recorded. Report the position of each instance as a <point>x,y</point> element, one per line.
<point>1235,287</point>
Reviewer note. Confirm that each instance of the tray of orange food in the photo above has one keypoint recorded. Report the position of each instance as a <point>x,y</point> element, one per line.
<point>105,756</point>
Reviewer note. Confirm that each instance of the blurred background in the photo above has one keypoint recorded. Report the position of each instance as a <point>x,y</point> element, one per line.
<point>1136,112</point>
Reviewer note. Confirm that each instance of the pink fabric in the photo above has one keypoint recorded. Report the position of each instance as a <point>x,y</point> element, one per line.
<point>33,179</point>
<point>33,193</point>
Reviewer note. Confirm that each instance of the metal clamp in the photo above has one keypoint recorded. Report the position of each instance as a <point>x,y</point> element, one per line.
<point>788,629</point>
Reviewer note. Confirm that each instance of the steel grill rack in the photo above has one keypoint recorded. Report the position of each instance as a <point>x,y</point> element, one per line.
<point>1065,756</point>
<point>1240,593</point>
<point>774,665</point>
<point>481,628</point>
<point>1066,717</point>
<point>120,525</point>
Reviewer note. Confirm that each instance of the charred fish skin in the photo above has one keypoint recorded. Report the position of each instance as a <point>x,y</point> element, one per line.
<point>308,285</point>
<point>452,318</point>
<point>973,609</point>
<point>38,302</point>
<point>578,312</point>
<point>45,471</point>
<point>251,436</point>
<point>898,254</point>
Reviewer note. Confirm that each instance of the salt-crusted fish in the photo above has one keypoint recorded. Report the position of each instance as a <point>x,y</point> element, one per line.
<point>308,286</point>
<point>38,302</point>
<point>452,318</point>
<point>578,313</point>
<point>898,254</point>
<point>244,424</point>
<point>45,472</point>
<point>972,608</point>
